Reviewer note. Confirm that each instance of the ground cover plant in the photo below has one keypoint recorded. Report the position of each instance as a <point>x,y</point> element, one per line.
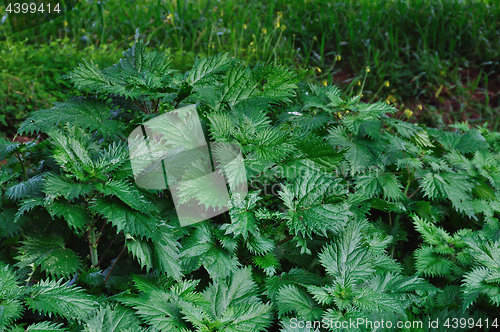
<point>352,212</point>
<point>438,59</point>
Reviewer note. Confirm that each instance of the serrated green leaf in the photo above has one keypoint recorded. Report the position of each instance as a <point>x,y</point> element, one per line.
<point>293,299</point>
<point>46,326</point>
<point>126,219</point>
<point>55,298</point>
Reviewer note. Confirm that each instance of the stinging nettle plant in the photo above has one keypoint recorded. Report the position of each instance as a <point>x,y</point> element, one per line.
<point>372,217</point>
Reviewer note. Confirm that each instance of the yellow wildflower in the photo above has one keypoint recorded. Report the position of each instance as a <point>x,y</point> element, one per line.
<point>408,113</point>
<point>391,98</point>
<point>283,27</point>
<point>325,82</point>
<point>264,30</point>
<point>245,26</point>
<point>169,17</point>
<point>318,69</point>
<point>367,69</point>
<point>338,58</point>
<point>386,83</point>
<point>419,107</point>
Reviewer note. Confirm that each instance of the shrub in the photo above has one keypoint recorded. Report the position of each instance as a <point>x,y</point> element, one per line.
<point>351,213</point>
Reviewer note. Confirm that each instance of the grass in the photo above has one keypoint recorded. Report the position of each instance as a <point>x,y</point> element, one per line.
<point>437,58</point>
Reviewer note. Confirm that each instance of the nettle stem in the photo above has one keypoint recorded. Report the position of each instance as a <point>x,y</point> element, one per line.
<point>93,246</point>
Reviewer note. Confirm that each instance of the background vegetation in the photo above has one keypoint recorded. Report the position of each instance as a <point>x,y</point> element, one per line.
<point>352,212</point>
<point>437,59</point>
<point>386,219</point>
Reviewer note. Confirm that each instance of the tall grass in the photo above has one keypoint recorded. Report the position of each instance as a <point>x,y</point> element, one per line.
<point>412,47</point>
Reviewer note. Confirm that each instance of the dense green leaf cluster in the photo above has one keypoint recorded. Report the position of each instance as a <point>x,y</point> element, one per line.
<point>351,212</point>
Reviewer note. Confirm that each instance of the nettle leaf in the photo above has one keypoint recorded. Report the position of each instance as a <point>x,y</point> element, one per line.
<point>278,83</point>
<point>269,263</point>
<point>59,186</point>
<point>10,310</point>
<point>115,158</point>
<point>207,189</point>
<point>158,308</point>
<point>375,110</point>
<point>10,306</point>
<point>243,221</point>
<point>125,218</point>
<point>320,152</point>
<point>109,319</point>
<point>239,85</point>
<point>273,144</point>
<point>230,162</point>
<point>220,126</point>
<point>46,326</point>
<point>87,77</point>
<point>76,216</point>
<point>432,234</point>
<point>166,249</point>
<point>7,148</point>
<point>73,154</point>
<point>347,258</point>
<point>86,113</point>
<point>476,283</point>
<point>54,298</point>
<point>26,189</point>
<point>431,263</point>
<point>293,299</point>
<point>233,303</point>
<point>327,98</point>
<point>9,225</point>
<point>447,185</point>
<point>203,248</point>
<point>485,251</point>
<point>138,73</point>
<point>465,143</point>
<point>411,131</point>
<point>306,211</point>
<point>295,276</point>
<point>50,254</point>
<point>358,152</point>
<point>376,184</point>
<point>128,194</point>
<point>208,71</point>
<point>306,122</point>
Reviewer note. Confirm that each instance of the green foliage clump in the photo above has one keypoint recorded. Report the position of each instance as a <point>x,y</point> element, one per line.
<point>351,212</point>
